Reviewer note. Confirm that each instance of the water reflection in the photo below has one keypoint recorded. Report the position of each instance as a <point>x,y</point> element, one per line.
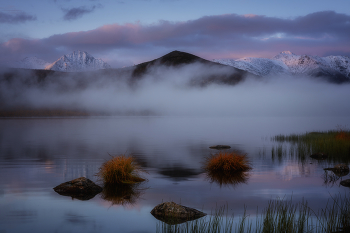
<point>123,194</point>
<point>37,154</point>
<point>330,179</point>
<point>223,179</point>
<point>178,172</point>
<point>171,223</point>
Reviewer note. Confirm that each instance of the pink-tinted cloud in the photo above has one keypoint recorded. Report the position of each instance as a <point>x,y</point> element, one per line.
<point>231,35</point>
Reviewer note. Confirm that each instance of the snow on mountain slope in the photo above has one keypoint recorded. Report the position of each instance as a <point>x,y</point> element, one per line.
<point>297,64</point>
<point>78,61</point>
<point>339,63</point>
<point>289,63</point>
<point>257,66</point>
<point>29,63</point>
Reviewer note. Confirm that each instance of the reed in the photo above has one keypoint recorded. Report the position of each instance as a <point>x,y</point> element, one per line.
<point>120,170</point>
<point>280,216</point>
<point>335,144</point>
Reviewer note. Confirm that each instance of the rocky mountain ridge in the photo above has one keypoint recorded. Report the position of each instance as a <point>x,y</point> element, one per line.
<point>292,64</point>
<point>78,61</point>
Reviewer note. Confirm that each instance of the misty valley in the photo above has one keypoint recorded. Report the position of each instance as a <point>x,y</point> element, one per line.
<point>176,84</point>
<point>58,126</point>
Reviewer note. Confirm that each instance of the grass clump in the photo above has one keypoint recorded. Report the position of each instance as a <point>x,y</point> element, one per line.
<point>120,170</point>
<point>227,168</point>
<point>335,144</point>
<point>227,163</point>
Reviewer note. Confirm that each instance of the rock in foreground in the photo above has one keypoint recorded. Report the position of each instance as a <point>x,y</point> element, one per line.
<point>219,147</point>
<point>339,169</point>
<point>80,188</point>
<point>345,183</point>
<point>172,213</point>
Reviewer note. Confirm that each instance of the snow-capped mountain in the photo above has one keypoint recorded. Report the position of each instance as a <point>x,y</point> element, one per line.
<point>78,61</point>
<point>337,67</point>
<point>257,66</point>
<point>29,63</point>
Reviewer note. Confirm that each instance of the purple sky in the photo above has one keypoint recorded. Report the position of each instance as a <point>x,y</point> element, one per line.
<point>128,32</point>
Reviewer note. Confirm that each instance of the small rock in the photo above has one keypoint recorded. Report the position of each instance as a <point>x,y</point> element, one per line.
<point>172,213</point>
<point>319,156</point>
<point>342,229</point>
<point>339,169</point>
<point>345,183</point>
<point>220,147</point>
<point>80,188</point>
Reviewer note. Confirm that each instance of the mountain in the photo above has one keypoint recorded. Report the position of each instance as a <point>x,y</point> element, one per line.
<point>76,62</point>
<point>208,72</point>
<point>257,66</point>
<point>332,68</point>
<point>29,63</point>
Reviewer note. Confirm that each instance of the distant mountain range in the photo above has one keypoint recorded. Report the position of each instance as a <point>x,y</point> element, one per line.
<point>180,68</point>
<point>334,68</point>
<point>78,61</point>
<point>29,63</point>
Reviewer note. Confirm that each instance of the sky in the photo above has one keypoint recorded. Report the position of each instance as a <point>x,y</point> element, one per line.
<point>127,32</point>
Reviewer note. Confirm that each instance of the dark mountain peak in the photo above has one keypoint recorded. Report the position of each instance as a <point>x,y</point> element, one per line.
<point>216,73</point>
<point>178,58</point>
<point>174,58</point>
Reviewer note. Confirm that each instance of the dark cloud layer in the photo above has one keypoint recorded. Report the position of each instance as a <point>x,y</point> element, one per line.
<point>78,12</point>
<point>20,17</point>
<point>219,36</point>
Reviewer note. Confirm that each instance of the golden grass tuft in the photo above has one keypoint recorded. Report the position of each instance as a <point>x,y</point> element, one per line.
<point>342,133</point>
<point>227,163</point>
<point>120,170</point>
<point>343,136</point>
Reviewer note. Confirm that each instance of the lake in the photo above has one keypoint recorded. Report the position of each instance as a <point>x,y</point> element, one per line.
<point>37,154</point>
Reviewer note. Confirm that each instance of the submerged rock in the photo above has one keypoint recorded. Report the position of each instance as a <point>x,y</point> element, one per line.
<point>219,147</point>
<point>342,229</point>
<point>345,183</point>
<point>172,213</point>
<point>319,156</point>
<point>80,188</point>
<point>339,169</point>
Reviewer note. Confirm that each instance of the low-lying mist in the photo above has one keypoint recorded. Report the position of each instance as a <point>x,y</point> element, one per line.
<point>174,91</point>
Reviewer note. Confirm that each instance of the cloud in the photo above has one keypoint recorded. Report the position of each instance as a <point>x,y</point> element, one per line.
<point>218,36</point>
<point>78,12</point>
<point>19,17</point>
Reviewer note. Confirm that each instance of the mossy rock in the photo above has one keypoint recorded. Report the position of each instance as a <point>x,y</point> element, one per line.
<point>172,213</point>
<point>345,183</point>
<point>80,188</point>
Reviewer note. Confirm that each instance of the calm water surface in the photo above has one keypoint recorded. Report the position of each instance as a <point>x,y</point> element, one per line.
<point>38,154</point>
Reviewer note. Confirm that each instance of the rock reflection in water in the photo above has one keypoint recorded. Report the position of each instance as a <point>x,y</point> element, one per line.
<point>122,194</point>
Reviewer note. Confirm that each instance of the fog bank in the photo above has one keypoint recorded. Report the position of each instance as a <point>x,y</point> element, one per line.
<point>170,91</point>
